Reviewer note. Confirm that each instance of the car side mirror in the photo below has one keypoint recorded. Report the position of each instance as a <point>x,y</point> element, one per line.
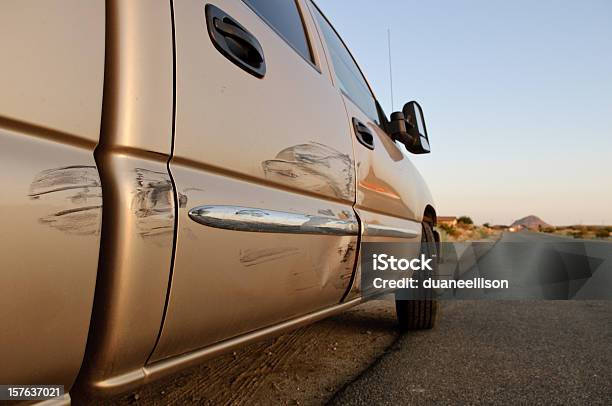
<point>408,127</point>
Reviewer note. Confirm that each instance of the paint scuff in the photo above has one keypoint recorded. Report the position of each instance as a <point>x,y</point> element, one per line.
<point>315,167</point>
<point>250,257</point>
<point>346,252</point>
<point>152,203</point>
<point>78,190</point>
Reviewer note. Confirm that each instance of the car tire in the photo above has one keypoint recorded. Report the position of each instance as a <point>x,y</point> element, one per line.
<point>421,314</point>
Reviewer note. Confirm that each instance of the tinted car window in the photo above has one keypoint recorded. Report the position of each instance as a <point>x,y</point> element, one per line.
<point>348,75</point>
<point>284,17</point>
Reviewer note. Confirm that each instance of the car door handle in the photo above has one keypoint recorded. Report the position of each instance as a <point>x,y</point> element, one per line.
<point>363,134</point>
<point>235,42</point>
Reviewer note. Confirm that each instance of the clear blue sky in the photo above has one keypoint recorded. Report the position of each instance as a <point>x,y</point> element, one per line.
<point>517,97</point>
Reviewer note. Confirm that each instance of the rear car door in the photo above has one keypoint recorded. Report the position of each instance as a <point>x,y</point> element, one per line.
<point>264,172</point>
<point>50,191</point>
<point>390,196</point>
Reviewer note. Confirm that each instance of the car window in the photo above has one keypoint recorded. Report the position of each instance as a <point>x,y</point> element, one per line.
<point>348,75</point>
<point>284,17</point>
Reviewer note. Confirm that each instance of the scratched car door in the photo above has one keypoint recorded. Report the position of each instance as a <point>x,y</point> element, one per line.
<point>50,188</point>
<point>264,173</point>
<point>390,194</point>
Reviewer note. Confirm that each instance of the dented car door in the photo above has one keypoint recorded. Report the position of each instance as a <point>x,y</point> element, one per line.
<point>264,174</point>
<point>51,197</point>
<point>391,196</point>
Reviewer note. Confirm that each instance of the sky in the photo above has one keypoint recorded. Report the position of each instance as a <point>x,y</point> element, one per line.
<point>517,96</point>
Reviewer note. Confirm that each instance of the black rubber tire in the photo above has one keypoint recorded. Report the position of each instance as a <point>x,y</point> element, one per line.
<point>421,314</point>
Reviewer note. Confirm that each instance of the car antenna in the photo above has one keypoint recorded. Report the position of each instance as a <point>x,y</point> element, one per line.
<point>390,68</point>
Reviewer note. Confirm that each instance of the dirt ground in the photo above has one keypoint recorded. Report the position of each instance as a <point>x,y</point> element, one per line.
<point>304,367</point>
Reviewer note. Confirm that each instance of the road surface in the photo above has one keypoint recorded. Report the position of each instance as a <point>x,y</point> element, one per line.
<point>501,352</point>
<point>497,353</point>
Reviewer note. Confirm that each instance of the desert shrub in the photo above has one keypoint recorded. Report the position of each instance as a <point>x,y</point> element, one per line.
<point>548,230</point>
<point>448,229</point>
<point>602,233</point>
<point>578,234</point>
<point>483,233</point>
<point>487,225</point>
<point>465,220</point>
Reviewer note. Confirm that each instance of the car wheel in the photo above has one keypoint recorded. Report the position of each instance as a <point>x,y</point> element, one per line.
<point>421,314</point>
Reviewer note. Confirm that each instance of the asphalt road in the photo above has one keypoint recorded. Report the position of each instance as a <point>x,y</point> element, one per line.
<point>498,352</point>
<point>537,266</point>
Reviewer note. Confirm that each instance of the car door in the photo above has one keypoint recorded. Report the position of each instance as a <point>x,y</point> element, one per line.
<point>264,173</point>
<point>391,196</point>
<point>51,194</point>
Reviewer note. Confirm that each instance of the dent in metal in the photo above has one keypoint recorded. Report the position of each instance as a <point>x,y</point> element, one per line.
<point>182,200</point>
<point>315,167</point>
<point>79,190</point>
<point>271,221</point>
<point>153,203</point>
<point>346,252</point>
<point>377,230</point>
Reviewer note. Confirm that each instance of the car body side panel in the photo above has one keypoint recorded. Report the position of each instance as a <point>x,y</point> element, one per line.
<point>139,207</point>
<point>390,199</point>
<point>391,195</point>
<point>279,143</point>
<point>376,228</point>
<point>137,239</point>
<point>387,182</point>
<point>51,212</point>
<point>52,77</point>
<point>286,129</point>
<point>50,191</point>
<point>229,282</point>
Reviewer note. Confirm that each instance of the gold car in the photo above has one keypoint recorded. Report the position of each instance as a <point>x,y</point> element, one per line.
<point>180,178</point>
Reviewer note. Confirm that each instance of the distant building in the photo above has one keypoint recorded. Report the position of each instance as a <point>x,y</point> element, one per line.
<point>447,220</point>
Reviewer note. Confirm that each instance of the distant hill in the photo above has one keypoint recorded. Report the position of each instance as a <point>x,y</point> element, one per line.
<point>532,222</point>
